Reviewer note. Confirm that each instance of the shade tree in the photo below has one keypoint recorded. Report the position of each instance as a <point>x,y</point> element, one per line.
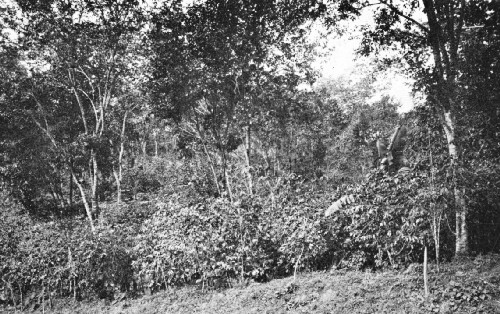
<point>212,72</point>
<point>81,52</point>
<point>432,43</point>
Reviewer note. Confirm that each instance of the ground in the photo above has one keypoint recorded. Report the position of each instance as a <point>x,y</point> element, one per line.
<point>466,287</point>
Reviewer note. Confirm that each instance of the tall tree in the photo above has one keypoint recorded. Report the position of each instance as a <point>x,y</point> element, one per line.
<point>439,29</point>
<point>209,61</point>
<point>27,164</point>
<point>80,51</point>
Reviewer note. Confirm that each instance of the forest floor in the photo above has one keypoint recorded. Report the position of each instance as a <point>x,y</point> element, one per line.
<point>466,287</point>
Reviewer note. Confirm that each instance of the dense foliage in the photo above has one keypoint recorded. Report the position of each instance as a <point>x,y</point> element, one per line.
<point>144,147</point>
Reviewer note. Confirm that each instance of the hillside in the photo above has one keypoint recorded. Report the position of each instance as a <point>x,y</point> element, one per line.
<point>466,287</point>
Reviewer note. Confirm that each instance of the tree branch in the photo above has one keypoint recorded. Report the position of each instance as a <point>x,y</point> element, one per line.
<point>400,13</point>
<point>80,69</point>
<point>46,131</point>
<point>90,100</point>
<point>434,38</point>
<point>460,26</point>
<point>82,110</point>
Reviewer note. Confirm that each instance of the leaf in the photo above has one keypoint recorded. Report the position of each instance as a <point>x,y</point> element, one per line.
<point>333,208</point>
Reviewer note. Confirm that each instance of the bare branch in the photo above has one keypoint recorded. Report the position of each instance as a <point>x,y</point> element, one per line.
<point>80,69</point>
<point>90,99</point>
<point>405,16</point>
<point>366,5</point>
<point>94,108</point>
<point>82,110</point>
<point>41,110</point>
<point>46,131</point>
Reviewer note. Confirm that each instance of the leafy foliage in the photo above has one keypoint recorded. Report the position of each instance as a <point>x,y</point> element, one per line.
<point>48,259</point>
<point>210,119</point>
<point>387,224</point>
<point>183,244</point>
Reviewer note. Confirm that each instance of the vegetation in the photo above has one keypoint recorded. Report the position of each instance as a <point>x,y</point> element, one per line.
<point>148,147</point>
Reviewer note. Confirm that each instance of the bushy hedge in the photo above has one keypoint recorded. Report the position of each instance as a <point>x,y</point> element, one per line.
<point>171,242</point>
<point>182,244</point>
<point>386,223</point>
<point>47,259</point>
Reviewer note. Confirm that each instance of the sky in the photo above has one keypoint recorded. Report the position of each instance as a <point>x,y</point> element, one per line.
<point>342,63</point>
<point>339,59</point>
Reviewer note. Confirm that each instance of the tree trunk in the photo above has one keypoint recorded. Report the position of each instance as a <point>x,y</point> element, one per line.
<point>71,186</point>
<point>426,282</point>
<point>143,147</point>
<point>226,176</point>
<point>461,228</point>
<point>118,173</point>
<point>247,160</point>
<point>437,212</point>
<point>93,184</point>
<point>88,209</point>
<point>228,186</point>
<point>156,143</point>
<point>212,167</point>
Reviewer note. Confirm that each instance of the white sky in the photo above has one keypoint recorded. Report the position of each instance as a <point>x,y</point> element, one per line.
<point>340,60</point>
<point>342,63</point>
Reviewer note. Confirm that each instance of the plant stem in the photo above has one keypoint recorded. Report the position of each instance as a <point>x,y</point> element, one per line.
<point>426,286</point>
<point>297,263</point>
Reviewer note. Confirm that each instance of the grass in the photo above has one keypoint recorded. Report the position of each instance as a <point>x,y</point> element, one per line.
<point>466,287</point>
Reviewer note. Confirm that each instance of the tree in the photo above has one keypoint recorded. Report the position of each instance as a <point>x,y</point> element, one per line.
<point>27,164</point>
<point>442,34</point>
<point>210,62</point>
<point>365,114</point>
<point>81,52</point>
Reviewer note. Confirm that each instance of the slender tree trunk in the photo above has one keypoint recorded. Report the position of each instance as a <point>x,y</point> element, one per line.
<point>212,167</point>
<point>226,177</point>
<point>118,173</point>
<point>156,143</point>
<point>426,282</point>
<point>461,228</point>
<point>462,241</point>
<point>94,182</point>
<point>276,163</point>
<point>228,185</point>
<point>71,186</point>
<point>88,209</point>
<point>143,147</point>
<point>247,159</point>
<point>437,212</point>
<point>444,43</point>
<point>437,215</point>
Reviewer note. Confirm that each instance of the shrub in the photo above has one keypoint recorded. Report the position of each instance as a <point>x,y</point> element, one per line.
<point>387,224</point>
<point>185,243</point>
<point>182,244</point>
<point>50,260</point>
